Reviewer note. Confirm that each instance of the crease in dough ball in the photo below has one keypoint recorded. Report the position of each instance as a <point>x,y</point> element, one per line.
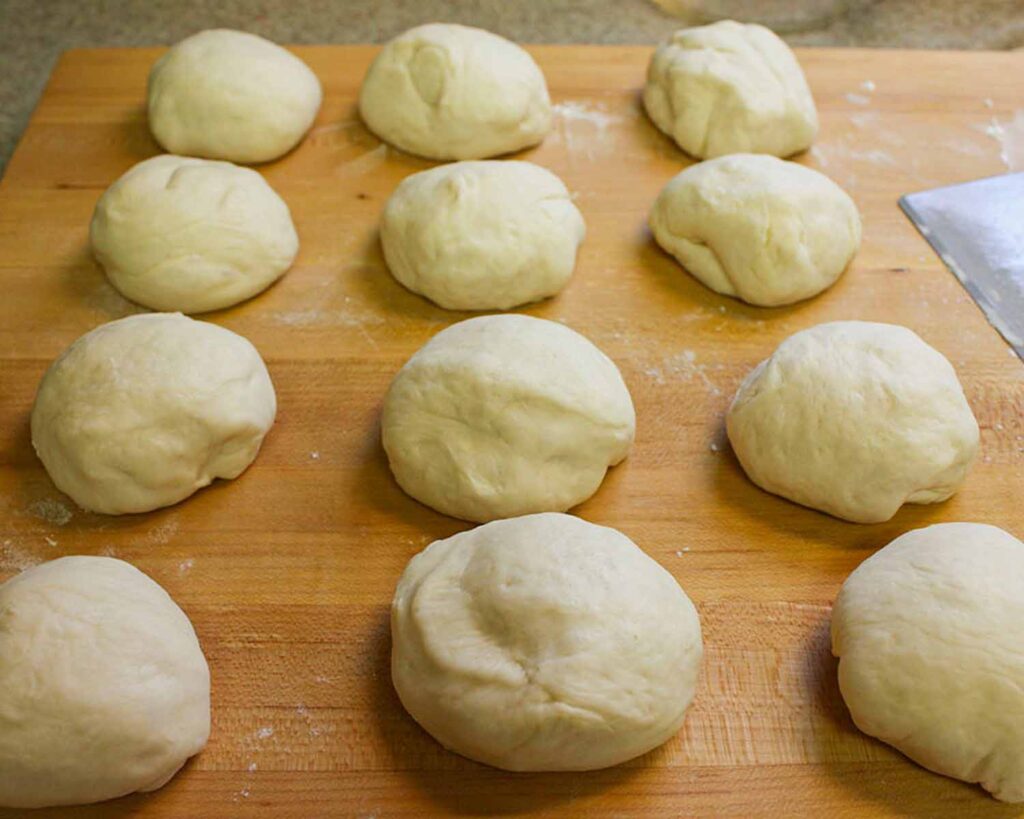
<point>104,690</point>
<point>854,418</point>
<point>224,94</point>
<point>757,228</point>
<point>141,412</point>
<point>505,415</point>
<point>927,632</point>
<point>730,88</point>
<point>192,235</point>
<point>486,235</point>
<point>445,91</point>
<point>544,643</point>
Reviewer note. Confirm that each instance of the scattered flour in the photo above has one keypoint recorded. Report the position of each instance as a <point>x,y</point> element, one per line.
<point>266,732</point>
<point>15,558</point>
<point>50,510</point>
<point>185,566</point>
<point>589,123</point>
<point>858,99</point>
<point>1010,136</point>
<point>685,366</point>
<point>315,455</point>
<point>163,533</point>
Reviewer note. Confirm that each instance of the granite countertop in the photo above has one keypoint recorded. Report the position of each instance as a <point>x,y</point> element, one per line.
<point>34,32</point>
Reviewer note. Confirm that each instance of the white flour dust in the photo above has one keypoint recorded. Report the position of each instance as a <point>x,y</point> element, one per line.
<point>185,566</point>
<point>682,366</point>
<point>1009,134</point>
<point>584,127</point>
<point>266,732</point>
<point>52,511</point>
<point>15,558</point>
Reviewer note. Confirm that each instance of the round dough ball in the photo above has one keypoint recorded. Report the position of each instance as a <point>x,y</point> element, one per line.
<point>855,419</point>
<point>505,415</point>
<point>226,94</point>
<point>927,632</point>
<point>730,88</point>
<point>758,228</point>
<point>446,91</point>
<point>141,412</point>
<point>482,235</point>
<point>192,235</point>
<point>104,690</point>
<point>544,643</point>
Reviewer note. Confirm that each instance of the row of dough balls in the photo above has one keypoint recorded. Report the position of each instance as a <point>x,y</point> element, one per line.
<point>179,233</point>
<point>445,91</point>
<point>535,643</point>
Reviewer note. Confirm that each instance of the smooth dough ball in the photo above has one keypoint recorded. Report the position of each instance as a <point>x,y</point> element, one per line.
<point>192,235</point>
<point>446,91</point>
<point>758,228</point>
<point>730,88</point>
<point>544,643</point>
<point>104,690</point>
<point>225,94</point>
<point>927,632</point>
<point>143,411</point>
<point>854,418</point>
<point>505,415</point>
<point>482,235</point>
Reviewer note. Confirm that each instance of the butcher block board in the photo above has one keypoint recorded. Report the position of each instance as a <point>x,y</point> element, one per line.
<point>288,571</point>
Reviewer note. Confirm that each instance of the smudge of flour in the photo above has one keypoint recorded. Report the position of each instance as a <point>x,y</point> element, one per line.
<point>584,127</point>
<point>857,99</point>
<point>51,511</point>
<point>185,566</point>
<point>684,366</point>
<point>266,732</point>
<point>1009,134</point>
<point>14,558</point>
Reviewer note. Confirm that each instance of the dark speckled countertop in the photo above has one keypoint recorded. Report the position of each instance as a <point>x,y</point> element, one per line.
<point>34,32</point>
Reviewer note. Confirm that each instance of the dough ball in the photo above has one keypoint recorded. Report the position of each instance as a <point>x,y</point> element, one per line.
<point>482,235</point>
<point>927,632</point>
<point>758,228</point>
<point>141,412</point>
<point>226,94</point>
<point>730,88</point>
<point>505,415</point>
<point>855,419</point>
<point>544,643</point>
<point>192,235</point>
<point>104,690</point>
<point>446,91</point>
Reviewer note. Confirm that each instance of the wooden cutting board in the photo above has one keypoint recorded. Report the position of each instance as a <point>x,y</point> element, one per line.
<point>288,571</point>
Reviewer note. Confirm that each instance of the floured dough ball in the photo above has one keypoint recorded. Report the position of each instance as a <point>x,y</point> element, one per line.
<point>143,411</point>
<point>225,94</point>
<point>730,88</point>
<point>104,690</point>
<point>192,235</point>
<point>446,91</point>
<point>755,227</point>
<point>855,419</point>
<point>544,643</point>
<point>482,235</point>
<point>927,632</point>
<point>505,415</point>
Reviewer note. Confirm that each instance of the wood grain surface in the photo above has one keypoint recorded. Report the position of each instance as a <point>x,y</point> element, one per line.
<point>287,572</point>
